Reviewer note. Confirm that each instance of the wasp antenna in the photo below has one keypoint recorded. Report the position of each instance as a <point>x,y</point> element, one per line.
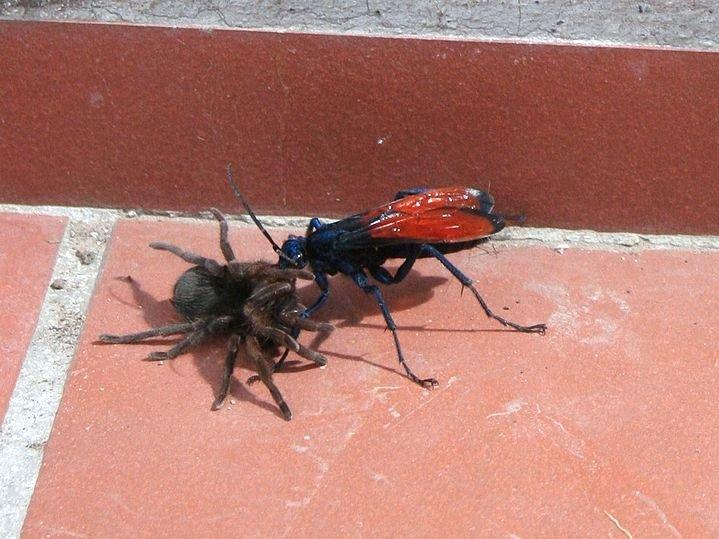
<point>254,218</point>
<point>246,204</point>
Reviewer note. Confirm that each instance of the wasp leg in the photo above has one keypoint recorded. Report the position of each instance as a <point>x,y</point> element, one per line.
<point>324,286</point>
<point>385,277</point>
<point>466,281</point>
<point>361,279</point>
<point>314,224</point>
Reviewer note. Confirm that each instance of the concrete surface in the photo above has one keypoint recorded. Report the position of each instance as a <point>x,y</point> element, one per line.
<point>672,23</point>
<point>616,401</point>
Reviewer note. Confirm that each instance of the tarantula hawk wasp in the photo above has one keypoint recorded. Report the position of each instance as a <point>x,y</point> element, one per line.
<point>255,302</point>
<point>418,223</point>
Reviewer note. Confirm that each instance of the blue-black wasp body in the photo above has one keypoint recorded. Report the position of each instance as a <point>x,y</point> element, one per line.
<point>418,223</point>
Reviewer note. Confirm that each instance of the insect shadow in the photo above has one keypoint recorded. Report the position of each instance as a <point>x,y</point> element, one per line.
<point>208,356</point>
<point>346,309</point>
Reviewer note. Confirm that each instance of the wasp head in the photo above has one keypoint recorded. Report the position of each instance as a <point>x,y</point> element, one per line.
<point>293,250</point>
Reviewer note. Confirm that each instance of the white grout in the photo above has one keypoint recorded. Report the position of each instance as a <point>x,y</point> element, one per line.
<point>36,396</point>
<point>554,238</point>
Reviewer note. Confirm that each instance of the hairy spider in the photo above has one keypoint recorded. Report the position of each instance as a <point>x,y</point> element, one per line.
<point>254,302</point>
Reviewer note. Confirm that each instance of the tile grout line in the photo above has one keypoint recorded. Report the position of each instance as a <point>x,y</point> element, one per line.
<point>553,238</point>
<point>40,383</point>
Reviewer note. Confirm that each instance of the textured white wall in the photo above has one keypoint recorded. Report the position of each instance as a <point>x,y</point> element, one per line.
<point>686,24</point>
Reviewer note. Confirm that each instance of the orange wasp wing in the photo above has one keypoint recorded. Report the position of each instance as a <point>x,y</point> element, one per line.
<point>443,215</point>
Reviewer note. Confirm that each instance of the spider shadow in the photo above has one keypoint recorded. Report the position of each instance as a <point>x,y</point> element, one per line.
<point>347,307</point>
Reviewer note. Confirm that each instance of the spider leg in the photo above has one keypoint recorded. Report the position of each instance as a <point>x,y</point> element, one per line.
<point>232,347</point>
<point>288,274</point>
<point>281,361</point>
<point>262,270</point>
<point>255,352</point>
<point>294,333</point>
<point>206,328</point>
<point>265,294</point>
<point>466,281</point>
<point>280,337</point>
<point>362,281</point>
<point>225,246</point>
<point>297,322</point>
<point>212,267</point>
<point>324,286</point>
<point>172,329</point>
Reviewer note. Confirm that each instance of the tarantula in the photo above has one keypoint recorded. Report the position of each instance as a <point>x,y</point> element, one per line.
<point>254,302</point>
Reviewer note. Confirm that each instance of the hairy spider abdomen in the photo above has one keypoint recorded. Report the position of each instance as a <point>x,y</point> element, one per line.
<point>198,294</point>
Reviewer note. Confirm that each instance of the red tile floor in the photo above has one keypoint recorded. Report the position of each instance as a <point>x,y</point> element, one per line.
<point>607,423</point>
<point>28,245</point>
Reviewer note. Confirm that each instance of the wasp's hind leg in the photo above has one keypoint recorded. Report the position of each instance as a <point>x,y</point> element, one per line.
<point>466,281</point>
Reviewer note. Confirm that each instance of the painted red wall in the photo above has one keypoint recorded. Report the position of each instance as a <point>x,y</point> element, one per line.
<point>575,137</point>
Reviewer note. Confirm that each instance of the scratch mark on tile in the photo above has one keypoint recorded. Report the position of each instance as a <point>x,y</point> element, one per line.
<point>324,465</point>
<point>512,407</point>
<point>622,529</point>
<point>118,500</point>
<point>379,393</point>
<point>61,531</point>
<point>435,394</point>
<point>376,476</point>
<point>655,507</point>
<point>569,441</point>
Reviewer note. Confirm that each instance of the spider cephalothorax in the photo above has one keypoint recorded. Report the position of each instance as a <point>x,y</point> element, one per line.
<point>254,302</point>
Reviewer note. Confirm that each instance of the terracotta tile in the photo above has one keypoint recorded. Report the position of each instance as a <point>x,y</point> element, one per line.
<point>28,244</point>
<point>613,410</point>
<point>575,137</point>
